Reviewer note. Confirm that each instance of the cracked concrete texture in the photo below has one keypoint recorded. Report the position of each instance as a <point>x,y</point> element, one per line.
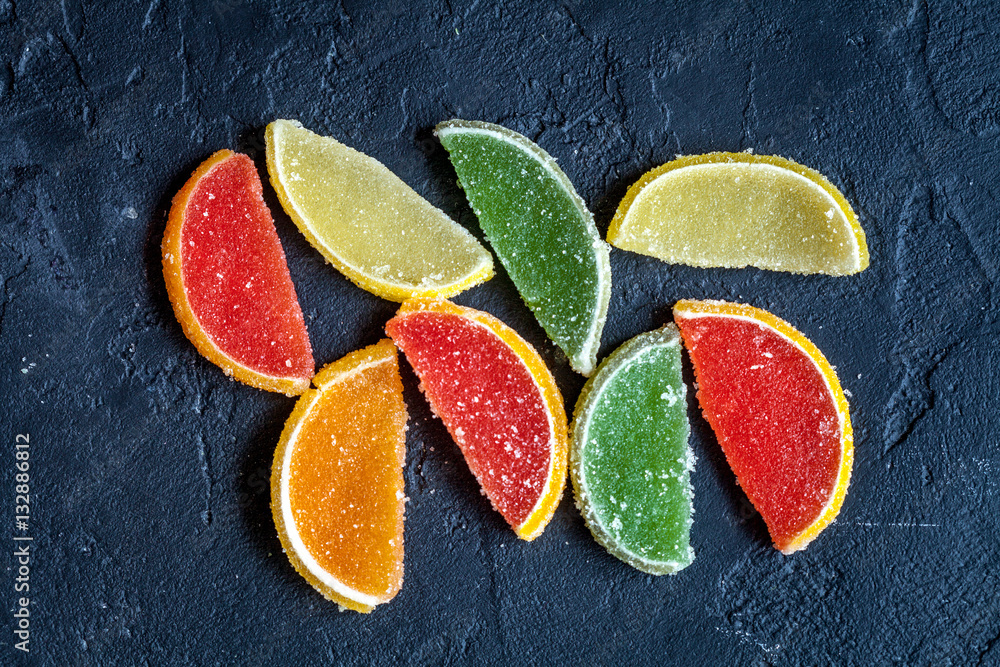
<point>153,533</point>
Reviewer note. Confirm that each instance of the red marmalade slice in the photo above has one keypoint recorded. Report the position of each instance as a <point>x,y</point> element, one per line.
<point>778,411</point>
<point>228,281</point>
<point>497,399</point>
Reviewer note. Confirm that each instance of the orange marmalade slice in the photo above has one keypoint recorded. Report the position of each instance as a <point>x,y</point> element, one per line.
<point>337,481</point>
<point>778,411</point>
<point>228,281</point>
<point>498,401</point>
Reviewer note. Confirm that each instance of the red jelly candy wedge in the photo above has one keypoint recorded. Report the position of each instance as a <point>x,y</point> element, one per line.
<point>778,411</point>
<point>497,399</point>
<point>228,281</point>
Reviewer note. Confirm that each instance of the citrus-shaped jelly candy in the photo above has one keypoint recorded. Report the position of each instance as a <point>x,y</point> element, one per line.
<point>540,229</point>
<point>337,481</point>
<point>367,222</point>
<point>778,412</point>
<point>498,401</point>
<point>228,281</point>
<point>739,209</point>
<point>630,460</point>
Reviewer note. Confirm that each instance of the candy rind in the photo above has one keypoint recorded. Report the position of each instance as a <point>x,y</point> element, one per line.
<point>642,349</point>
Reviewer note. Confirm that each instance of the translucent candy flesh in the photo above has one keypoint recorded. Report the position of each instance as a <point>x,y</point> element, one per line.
<point>340,503</point>
<point>491,403</point>
<point>367,222</point>
<point>736,210</point>
<point>630,459</point>
<point>228,279</point>
<point>775,416</point>
<point>541,231</point>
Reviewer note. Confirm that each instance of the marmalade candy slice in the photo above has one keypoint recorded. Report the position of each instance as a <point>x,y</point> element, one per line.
<point>367,222</point>
<point>778,412</point>
<point>630,460</point>
<point>739,209</point>
<point>540,229</point>
<point>498,401</point>
<point>337,481</point>
<point>228,281</point>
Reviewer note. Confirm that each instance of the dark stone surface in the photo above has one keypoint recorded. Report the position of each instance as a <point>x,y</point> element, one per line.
<point>153,538</point>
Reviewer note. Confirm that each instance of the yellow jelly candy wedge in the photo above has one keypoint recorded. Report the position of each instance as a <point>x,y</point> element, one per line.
<point>337,481</point>
<point>367,222</point>
<point>738,209</point>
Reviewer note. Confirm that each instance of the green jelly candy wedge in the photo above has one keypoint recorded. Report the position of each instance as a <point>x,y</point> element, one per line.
<point>540,229</point>
<point>629,456</point>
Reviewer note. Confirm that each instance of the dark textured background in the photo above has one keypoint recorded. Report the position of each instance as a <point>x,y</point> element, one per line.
<point>150,469</point>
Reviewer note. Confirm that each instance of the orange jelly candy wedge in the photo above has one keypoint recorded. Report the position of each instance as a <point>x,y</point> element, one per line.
<point>498,401</point>
<point>778,412</point>
<point>228,281</point>
<point>337,481</point>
